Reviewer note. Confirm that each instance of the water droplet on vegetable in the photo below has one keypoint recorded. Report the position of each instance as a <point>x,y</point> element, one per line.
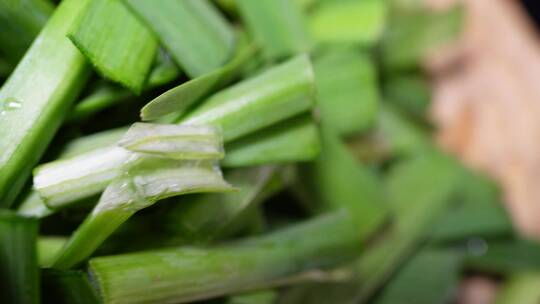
<point>8,105</point>
<point>477,246</point>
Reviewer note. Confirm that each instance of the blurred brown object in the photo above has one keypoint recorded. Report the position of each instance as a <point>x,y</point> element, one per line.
<point>487,101</point>
<point>477,289</point>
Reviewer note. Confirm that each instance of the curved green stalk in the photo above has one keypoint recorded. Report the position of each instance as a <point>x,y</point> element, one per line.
<point>177,100</point>
<point>144,179</point>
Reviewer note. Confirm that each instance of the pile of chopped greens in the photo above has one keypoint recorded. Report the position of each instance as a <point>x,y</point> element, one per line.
<point>238,152</point>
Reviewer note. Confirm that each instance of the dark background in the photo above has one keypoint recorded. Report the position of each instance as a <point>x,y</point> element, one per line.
<point>533,7</point>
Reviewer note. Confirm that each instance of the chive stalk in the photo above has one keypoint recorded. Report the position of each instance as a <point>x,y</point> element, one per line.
<point>37,96</point>
<point>32,204</point>
<point>294,140</point>
<point>116,42</point>
<point>186,274</point>
<point>277,26</point>
<point>194,32</point>
<point>347,90</point>
<point>107,94</point>
<point>279,93</point>
<point>18,261</point>
<point>65,181</point>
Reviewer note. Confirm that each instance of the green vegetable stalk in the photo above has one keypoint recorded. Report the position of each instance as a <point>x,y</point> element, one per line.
<point>37,96</point>
<point>187,273</point>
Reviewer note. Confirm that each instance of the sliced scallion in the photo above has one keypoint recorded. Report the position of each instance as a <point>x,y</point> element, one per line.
<point>276,25</point>
<point>177,100</point>
<point>194,32</point>
<point>37,96</point>
<point>295,140</point>
<point>18,259</point>
<point>116,42</point>
<point>187,274</point>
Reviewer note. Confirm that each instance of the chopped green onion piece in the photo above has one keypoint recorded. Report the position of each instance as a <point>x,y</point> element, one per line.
<point>174,141</point>
<point>275,95</point>
<point>36,97</point>
<point>107,94</point>
<point>348,21</point>
<point>18,259</point>
<point>20,23</point>
<point>116,42</point>
<point>335,180</point>
<point>177,100</point>
<point>145,181</point>
<point>33,205</point>
<point>347,90</point>
<point>198,37</point>
<point>187,274</point>
<point>67,287</point>
<point>276,25</point>
<point>294,140</point>
<point>69,180</point>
